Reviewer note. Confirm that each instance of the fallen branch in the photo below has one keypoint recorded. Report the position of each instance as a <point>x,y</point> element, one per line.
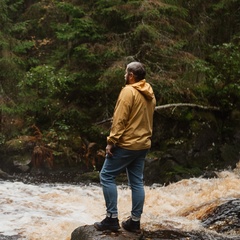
<point>187,105</point>
<point>172,105</point>
<point>104,121</point>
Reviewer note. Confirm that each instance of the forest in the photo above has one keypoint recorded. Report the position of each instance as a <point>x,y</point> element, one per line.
<point>62,66</point>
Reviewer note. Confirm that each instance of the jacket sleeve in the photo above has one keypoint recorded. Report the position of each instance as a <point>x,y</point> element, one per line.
<point>121,114</point>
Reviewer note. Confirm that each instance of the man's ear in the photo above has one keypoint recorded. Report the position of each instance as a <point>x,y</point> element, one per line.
<point>132,78</point>
<point>131,75</point>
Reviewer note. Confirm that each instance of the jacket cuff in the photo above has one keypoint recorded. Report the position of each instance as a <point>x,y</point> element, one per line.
<point>109,141</point>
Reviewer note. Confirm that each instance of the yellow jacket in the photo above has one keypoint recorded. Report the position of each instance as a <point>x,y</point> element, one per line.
<point>133,117</point>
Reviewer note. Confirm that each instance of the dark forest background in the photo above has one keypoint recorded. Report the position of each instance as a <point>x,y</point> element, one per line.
<point>62,67</point>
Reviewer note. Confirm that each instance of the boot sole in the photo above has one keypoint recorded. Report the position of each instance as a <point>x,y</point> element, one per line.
<point>112,229</point>
<point>133,231</point>
<point>130,229</point>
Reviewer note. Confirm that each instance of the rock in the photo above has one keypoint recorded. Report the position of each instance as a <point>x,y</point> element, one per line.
<point>15,237</point>
<point>209,174</point>
<point>20,144</point>
<point>4,175</point>
<point>224,218</point>
<point>88,232</point>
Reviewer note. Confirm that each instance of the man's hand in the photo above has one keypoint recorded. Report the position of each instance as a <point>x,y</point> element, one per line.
<point>109,148</point>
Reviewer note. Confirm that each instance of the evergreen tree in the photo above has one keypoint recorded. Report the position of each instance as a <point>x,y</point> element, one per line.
<point>78,50</point>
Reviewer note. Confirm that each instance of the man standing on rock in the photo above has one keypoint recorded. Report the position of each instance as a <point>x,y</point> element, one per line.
<point>127,146</point>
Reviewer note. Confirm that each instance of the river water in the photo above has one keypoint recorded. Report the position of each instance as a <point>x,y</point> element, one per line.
<point>53,211</point>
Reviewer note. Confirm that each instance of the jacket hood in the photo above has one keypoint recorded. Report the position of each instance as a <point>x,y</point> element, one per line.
<point>144,88</point>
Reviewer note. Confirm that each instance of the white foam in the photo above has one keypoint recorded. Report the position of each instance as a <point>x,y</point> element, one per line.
<point>50,211</point>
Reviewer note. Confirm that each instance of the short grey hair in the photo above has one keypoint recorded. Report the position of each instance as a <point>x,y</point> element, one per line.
<point>137,69</point>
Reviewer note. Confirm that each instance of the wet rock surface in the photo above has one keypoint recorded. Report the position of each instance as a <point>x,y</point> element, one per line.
<point>4,175</point>
<point>225,218</point>
<point>15,237</point>
<point>88,232</point>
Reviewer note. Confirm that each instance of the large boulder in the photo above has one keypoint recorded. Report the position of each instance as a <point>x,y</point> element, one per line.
<point>223,220</point>
<point>88,232</point>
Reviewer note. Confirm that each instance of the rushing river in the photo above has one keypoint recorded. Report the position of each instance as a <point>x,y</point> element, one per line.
<point>53,211</point>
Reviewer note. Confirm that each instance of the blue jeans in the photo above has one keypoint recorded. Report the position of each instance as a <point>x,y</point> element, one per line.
<point>133,162</point>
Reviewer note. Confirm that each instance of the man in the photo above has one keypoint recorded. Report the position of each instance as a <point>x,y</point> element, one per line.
<point>127,146</point>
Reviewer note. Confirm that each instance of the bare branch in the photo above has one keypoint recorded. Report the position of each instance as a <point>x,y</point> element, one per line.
<point>187,105</point>
<point>173,105</point>
<point>104,121</point>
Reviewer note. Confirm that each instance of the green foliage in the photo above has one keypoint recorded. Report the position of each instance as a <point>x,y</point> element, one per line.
<point>226,59</point>
<point>12,46</point>
<point>70,9</point>
<point>221,85</point>
<point>62,62</point>
<point>112,15</point>
<point>87,57</point>
<point>40,91</point>
<point>83,29</point>
<point>187,171</point>
<point>23,47</point>
<point>3,14</point>
<point>44,81</point>
<point>144,33</point>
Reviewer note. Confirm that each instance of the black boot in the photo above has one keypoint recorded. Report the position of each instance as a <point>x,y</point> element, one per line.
<point>108,223</point>
<point>131,226</point>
